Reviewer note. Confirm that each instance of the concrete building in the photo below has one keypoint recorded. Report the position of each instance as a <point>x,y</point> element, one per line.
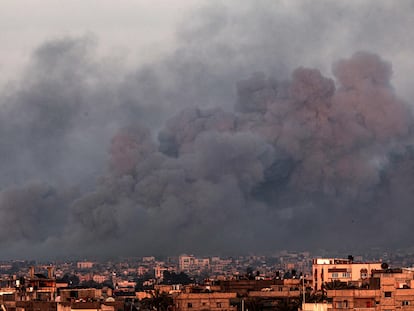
<point>325,270</point>
<point>316,306</point>
<point>186,262</point>
<point>204,301</point>
<point>40,287</point>
<point>75,294</point>
<point>386,290</point>
<point>85,265</point>
<point>159,272</point>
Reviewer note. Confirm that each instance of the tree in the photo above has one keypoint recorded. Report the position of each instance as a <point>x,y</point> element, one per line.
<point>90,284</point>
<point>249,273</point>
<point>336,284</point>
<point>173,278</point>
<point>160,301</point>
<point>71,279</point>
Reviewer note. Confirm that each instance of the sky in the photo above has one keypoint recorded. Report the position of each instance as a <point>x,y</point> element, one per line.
<point>207,127</point>
<point>132,29</point>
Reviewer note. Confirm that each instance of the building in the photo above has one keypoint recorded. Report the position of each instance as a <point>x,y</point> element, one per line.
<point>159,272</point>
<point>316,306</point>
<point>186,262</point>
<point>39,286</point>
<point>386,290</point>
<point>326,270</point>
<point>76,294</point>
<point>84,265</point>
<point>204,301</point>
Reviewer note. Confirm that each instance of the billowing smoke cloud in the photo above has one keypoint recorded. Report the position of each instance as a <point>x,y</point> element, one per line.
<point>216,149</point>
<point>296,155</point>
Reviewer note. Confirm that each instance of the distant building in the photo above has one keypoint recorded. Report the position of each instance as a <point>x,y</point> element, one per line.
<point>85,265</point>
<point>98,278</point>
<point>186,262</point>
<point>204,301</point>
<point>142,270</point>
<point>325,270</point>
<point>148,259</point>
<point>159,272</point>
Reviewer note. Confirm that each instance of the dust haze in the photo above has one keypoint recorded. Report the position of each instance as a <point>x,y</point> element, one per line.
<point>269,126</point>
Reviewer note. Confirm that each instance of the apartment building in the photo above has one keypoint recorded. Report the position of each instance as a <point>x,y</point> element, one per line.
<point>85,265</point>
<point>386,290</point>
<point>325,270</point>
<point>185,262</point>
<point>188,263</point>
<point>204,301</point>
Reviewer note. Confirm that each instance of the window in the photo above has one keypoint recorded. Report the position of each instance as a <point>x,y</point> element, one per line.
<point>218,304</point>
<point>346,274</point>
<point>405,303</point>
<point>364,273</point>
<point>335,275</point>
<point>342,304</point>
<point>387,294</point>
<point>189,305</point>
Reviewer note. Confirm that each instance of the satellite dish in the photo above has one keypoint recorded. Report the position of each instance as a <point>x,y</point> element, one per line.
<point>384,266</point>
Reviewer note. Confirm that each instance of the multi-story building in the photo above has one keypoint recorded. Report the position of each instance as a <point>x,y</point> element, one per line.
<point>148,259</point>
<point>189,263</point>
<point>386,290</point>
<point>159,272</point>
<point>39,286</point>
<point>186,262</point>
<point>326,270</point>
<point>99,278</point>
<point>204,301</point>
<point>202,263</point>
<point>85,265</point>
<point>142,270</point>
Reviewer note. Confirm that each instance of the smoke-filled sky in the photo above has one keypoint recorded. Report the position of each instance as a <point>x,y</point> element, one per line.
<point>208,127</point>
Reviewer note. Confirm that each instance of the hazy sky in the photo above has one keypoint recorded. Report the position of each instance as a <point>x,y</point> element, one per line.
<point>138,31</point>
<point>135,29</point>
<point>160,127</point>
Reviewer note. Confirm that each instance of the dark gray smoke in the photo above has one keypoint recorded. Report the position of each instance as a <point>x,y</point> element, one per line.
<point>230,144</point>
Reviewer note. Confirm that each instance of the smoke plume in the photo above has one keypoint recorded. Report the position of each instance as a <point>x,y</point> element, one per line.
<point>217,148</point>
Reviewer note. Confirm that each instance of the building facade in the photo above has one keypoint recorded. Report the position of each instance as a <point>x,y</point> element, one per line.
<point>386,290</point>
<point>204,301</point>
<point>326,270</point>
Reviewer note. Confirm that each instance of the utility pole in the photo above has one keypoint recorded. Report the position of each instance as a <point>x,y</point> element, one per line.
<point>303,291</point>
